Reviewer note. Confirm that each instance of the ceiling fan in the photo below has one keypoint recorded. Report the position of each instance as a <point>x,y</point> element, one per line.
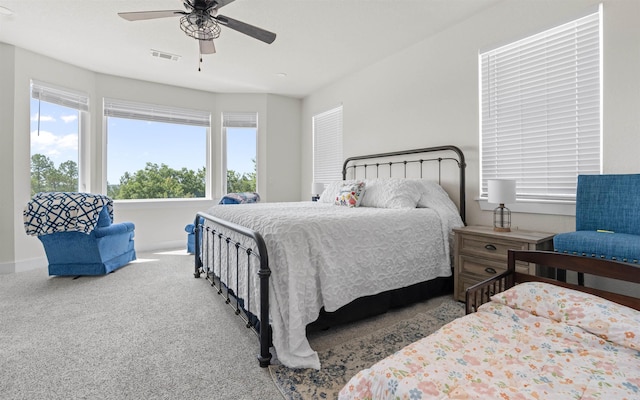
<point>202,22</point>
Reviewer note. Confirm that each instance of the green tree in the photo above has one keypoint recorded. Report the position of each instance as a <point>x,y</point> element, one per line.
<point>161,182</point>
<point>67,177</point>
<point>45,177</point>
<point>237,183</point>
<point>41,169</point>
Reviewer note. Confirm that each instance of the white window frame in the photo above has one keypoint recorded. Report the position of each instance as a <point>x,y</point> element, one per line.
<point>505,122</point>
<point>76,100</point>
<point>327,146</point>
<point>240,119</point>
<point>158,113</point>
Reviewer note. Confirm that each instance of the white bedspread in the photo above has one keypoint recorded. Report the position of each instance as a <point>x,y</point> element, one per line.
<point>326,255</point>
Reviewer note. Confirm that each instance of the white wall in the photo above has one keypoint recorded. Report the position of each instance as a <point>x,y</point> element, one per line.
<point>159,224</point>
<point>7,240</point>
<point>284,139</point>
<point>28,251</point>
<point>427,95</point>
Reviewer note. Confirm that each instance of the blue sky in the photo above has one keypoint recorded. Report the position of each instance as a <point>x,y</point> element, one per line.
<point>133,143</point>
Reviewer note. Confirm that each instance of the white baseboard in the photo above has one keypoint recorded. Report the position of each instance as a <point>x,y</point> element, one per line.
<point>36,263</point>
<point>23,265</point>
<point>168,245</point>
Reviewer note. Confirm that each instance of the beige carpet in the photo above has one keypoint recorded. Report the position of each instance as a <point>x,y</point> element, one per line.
<point>341,361</point>
<point>147,331</point>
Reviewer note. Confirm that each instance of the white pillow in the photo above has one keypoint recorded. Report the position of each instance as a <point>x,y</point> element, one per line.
<point>432,195</point>
<point>391,193</point>
<point>331,192</point>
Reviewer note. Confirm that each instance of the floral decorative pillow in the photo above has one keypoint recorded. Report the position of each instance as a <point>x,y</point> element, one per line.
<point>391,193</point>
<point>601,317</point>
<point>350,195</point>
<point>333,190</point>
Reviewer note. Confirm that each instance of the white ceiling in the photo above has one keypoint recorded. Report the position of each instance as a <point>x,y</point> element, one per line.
<point>318,41</point>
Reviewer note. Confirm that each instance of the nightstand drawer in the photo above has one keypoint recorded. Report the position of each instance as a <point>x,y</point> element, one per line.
<point>481,268</point>
<point>487,247</point>
<point>481,253</point>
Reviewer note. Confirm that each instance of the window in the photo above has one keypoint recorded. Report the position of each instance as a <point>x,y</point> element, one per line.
<point>541,110</point>
<point>155,152</point>
<point>327,146</point>
<point>56,125</point>
<point>239,132</point>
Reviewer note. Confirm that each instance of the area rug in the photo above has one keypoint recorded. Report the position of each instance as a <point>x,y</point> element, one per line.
<point>341,362</point>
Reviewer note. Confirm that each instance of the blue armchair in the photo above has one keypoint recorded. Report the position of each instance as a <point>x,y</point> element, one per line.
<point>77,233</point>
<point>607,219</point>
<point>191,238</point>
<point>229,198</point>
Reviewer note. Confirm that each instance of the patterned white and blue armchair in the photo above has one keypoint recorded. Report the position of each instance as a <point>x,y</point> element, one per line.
<point>607,219</point>
<point>77,232</point>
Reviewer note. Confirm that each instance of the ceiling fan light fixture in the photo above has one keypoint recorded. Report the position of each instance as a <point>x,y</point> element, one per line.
<point>200,25</point>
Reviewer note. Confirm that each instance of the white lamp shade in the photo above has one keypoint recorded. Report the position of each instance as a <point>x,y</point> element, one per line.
<point>317,188</point>
<point>502,191</point>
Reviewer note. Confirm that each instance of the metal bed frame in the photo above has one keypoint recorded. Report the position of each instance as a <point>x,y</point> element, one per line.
<point>216,234</point>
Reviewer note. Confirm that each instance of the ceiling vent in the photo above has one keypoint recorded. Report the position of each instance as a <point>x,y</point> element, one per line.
<point>164,55</point>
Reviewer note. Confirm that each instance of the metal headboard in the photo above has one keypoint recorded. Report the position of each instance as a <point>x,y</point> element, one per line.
<point>457,157</point>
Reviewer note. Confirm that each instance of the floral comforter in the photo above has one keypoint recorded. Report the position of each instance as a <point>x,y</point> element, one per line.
<point>533,341</point>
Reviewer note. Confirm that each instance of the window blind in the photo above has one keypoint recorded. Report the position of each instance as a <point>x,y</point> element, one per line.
<point>239,120</point>
<point>62,97</point>
<point>327,146</point>
<point>158,113</point>
<point>540,110</point>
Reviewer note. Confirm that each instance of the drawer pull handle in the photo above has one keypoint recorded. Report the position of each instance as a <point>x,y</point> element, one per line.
<point>490,247</point>
<point>490,270</point>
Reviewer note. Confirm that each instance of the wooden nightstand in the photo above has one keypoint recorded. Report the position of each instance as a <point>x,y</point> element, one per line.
<point>480,253</point>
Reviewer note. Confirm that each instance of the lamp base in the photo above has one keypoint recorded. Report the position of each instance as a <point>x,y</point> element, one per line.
<point>502,219</point>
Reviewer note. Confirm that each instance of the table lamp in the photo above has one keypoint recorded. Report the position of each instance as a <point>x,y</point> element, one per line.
<point>316,190</point>
<point>502,191</point>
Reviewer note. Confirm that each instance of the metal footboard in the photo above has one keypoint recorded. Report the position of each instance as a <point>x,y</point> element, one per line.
<point>217,235</point>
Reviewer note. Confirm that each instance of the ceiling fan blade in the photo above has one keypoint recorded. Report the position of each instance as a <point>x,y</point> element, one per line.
<point>142,15</point>
<point>207,47</point>
<point>221,3</point>
<point>243,27</point>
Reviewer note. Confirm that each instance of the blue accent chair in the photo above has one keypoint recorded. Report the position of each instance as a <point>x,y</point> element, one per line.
<point>107,248</point>
<point>77,233</point>
<point>191,238</point>
<point>229,198</point>
<point>607,219</point>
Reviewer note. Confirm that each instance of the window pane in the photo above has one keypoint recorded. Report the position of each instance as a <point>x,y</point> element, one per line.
<point>155,160</point>
<point>540,110</point>
<point>241,159</point>
<point>327,146</point>
<point>54,147</point>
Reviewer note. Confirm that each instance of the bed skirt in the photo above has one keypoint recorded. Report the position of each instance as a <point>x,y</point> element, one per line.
<point>370,306</point>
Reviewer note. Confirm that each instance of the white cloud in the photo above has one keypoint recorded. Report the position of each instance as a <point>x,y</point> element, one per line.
<point>69,118</point>
<point>53,146</point>
<point>43,118</point>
